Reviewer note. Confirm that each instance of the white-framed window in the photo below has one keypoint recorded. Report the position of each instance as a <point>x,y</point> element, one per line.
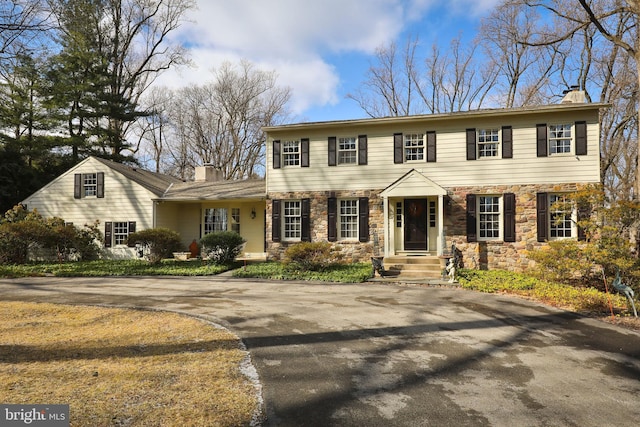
<point>235,220</point>
<point>560,136</point>
<point>348,219</point>
<point>488,142</point>
<point>90,184</point>
<point>292,220</point>
<point>489,217</point>
<point>291,153</point>
<point>413,146</point>
<point>215,219</point>
<point>561,217</point>
<point>347,151</point>
<point>120,232</point>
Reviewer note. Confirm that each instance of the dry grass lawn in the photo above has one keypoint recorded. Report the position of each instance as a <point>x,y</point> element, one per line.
<point>123,367</point>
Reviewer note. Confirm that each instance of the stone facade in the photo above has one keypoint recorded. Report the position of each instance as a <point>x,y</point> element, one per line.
<point>483,255</point>
<point>498,254</point>
<point>352,251</point>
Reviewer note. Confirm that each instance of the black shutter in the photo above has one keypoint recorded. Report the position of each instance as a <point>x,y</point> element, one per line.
<point>541,140</point>
<point>304,152</point>
<point>332,151</point>
<point>276,154</point>
<point>132,229</point>
<point>584,212</point>
<point>471,144</point>
<point>363,219</point>
<point>472,226</point>
<point>509,200</point>
<point>332,219</point>
<point>581,138</point>
<point>107,235</point>
<point>542,217</point>
<point>276,221</point>
<point>305,235</point>
<point>100,186</point>
<point>431,146</point>
<point>77,186</point>
<point>507,142</point>
<point>362,149</point>
<point>398,156</point>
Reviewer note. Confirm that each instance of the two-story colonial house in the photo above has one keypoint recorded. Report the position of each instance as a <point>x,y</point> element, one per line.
<point>412,186</point>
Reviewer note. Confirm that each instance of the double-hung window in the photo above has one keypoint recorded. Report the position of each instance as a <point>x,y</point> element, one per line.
<point>489,217</point>
<point>348,218</point>
<point>413,146</point>
<point>291,153</point>
<point>120,232</point>
<point>347,151</point>
<point>560,217</point>
<point>90,184</point>
<point>560,138</point>
<point>292,220</point>
<point>215,219</point>
<point>488,142</point>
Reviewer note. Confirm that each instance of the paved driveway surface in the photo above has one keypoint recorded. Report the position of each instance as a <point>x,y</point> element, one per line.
<point>382,355</point>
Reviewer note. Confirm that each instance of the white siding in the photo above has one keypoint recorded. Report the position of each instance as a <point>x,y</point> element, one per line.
<point>451,169</point>
<point>123,199</point>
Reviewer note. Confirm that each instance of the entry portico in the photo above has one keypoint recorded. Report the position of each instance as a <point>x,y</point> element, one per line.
<point>414,216</point>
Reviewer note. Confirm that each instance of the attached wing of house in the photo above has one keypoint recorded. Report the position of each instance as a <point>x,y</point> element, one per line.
<point>124,199</point>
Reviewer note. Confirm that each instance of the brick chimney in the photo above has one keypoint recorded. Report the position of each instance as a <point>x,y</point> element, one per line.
<point>208,173</point>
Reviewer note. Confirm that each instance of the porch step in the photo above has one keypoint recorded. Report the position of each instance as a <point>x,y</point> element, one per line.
<point>413,267</point>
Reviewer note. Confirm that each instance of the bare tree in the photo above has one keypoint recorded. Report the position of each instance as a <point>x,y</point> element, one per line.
<point>153,129</point>
<point>400,85</point>
<point>21,23</point>
<point>455,80</point>
<point>522,77</point>
<point>616,22</point>
<point>389,88</point>
<point>220,123</point>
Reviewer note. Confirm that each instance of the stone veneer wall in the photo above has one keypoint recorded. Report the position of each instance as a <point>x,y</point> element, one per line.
<point>353,251</point>
<point>483,255</point>
<point>498,254</point>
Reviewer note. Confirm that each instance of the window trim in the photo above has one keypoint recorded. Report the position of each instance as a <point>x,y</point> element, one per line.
<point>210,226</point>
<point>291,158</point>
<point>421,149</point>
<point>353,152</point>
<point>286,227</point>
<point>570,139</point>
<point>498,144</point>
<point>500,219</point>
<point>354,222</point>
<point>552,214</point>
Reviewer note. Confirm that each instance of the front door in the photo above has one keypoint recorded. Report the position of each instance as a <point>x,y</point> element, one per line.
<point>415,224</point>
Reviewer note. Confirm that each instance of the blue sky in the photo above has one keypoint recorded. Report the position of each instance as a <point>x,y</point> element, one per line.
<point>320,49</point>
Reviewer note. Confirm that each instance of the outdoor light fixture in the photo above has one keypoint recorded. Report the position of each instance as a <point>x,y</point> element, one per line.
<point>253,213</point>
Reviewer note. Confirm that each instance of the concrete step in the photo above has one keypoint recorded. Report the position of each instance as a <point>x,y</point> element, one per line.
<point>413,267</point>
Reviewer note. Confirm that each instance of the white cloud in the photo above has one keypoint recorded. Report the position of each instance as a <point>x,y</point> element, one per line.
<point>292,37</point>
<point>295,38</point>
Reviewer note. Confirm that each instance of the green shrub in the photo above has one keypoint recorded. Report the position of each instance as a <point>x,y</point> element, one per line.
<point>161,242</point>
<point>221,247</point>
<point>311,256</point>
<point>24,233</point>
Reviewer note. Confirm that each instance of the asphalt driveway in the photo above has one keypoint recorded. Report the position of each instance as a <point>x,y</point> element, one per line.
<point>387,355</point>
